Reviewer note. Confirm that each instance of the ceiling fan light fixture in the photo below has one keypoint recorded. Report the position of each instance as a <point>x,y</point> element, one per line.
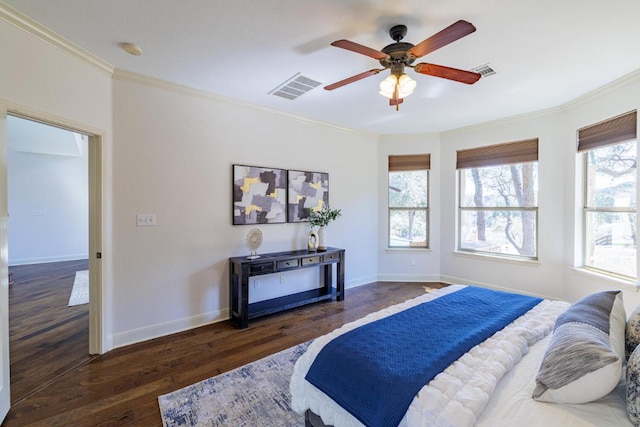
<point>388,86</point>
<point>404,84</point>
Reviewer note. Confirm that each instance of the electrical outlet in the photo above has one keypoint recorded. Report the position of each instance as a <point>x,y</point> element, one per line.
<point>256,284</point>
<point>145,220</point>
<point>412,262</point>
<point>281,279</point>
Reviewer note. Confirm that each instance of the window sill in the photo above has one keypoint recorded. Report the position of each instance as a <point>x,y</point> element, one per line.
<point>487,257</point>
<point>406,250</point>
<point>609,280</point>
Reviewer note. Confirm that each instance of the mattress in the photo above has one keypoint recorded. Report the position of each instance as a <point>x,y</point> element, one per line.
<point>497,389</point>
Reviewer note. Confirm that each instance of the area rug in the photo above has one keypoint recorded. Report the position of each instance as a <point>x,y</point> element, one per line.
<point>254,395</point>
<point>80,291</point>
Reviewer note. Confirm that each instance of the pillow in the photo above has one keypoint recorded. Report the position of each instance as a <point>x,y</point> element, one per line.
<point>633,387</point>
<point>586,352</point>
<point>632,334</point>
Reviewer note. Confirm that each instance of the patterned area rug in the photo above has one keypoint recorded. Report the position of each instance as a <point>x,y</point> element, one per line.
<point>255,395</point>
<point>80,291</point>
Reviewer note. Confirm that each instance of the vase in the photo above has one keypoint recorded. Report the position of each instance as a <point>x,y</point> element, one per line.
<point>322,239</point>
<point>312,241</point>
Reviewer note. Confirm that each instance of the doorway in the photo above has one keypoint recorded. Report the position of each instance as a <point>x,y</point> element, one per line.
<point>53,272</point>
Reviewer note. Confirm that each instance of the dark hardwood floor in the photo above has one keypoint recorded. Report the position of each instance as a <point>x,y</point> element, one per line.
<point>47,337</point>
<point>121,387</point>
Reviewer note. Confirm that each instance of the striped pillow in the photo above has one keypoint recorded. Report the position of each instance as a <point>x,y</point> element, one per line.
<point>585,355</point>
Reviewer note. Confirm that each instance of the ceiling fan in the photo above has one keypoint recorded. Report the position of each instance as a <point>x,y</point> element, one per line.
<point>399,55</point>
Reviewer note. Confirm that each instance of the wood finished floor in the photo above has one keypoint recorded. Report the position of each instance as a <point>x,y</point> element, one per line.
<point>121,387</point>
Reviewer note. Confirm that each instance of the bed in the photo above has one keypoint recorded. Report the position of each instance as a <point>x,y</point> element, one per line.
<point>489,384</point>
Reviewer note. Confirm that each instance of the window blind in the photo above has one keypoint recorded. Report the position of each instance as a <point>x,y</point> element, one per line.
<point>409,162</point>
<point>499,154</point>
<point>618,129</point>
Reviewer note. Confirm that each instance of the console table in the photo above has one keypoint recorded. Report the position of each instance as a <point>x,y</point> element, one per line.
<point>241,268</point>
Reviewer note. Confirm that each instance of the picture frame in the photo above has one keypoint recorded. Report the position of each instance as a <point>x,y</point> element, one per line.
<point>305,191</point>
<point>259,195</point>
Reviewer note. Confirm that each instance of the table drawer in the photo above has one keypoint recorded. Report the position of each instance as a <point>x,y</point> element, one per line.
<point>331,257</point>
<point>261,267</point>
<point>288,263</point>
<point>311,260</point>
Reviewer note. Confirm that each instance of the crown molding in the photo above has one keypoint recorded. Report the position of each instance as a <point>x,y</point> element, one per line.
<point>632,77</point>
<point>131,76</point>
<point>36,29</point>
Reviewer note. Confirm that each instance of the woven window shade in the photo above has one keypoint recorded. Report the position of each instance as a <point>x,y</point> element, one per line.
<point>612,131</point>
<point>500,154</point>
<point>410,162</point>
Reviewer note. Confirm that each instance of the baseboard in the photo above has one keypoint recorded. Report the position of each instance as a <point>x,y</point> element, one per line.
<point>156,331</point>
<point>354,283</point>
<point>43,260</point>
<point>459,281</point>
<point>409,278</point>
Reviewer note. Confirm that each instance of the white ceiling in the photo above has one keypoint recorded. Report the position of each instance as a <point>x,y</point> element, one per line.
<point>546,52</point>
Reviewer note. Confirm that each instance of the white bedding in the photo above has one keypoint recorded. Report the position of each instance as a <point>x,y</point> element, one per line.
<point>457,397</point>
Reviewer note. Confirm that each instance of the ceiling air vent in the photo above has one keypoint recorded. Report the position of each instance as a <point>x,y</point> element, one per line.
<point>484,70</point>
<point>294,87</point>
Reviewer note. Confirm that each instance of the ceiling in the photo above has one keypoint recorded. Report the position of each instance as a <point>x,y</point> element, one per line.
<point>545,53</point>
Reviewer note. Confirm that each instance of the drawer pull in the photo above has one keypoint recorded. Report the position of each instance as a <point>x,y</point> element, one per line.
<point>310,260</point>
<point>288,263</point>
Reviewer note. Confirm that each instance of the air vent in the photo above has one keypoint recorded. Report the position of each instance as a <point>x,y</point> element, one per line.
<point>484,70</point>
<point>294,87</point>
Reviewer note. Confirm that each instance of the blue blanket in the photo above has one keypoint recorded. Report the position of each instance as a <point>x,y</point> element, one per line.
<point>375,371</point>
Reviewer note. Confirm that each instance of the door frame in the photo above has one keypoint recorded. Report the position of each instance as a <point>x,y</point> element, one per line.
<point>97,338</point>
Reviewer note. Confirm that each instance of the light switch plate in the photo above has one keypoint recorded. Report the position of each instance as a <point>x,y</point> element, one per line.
<point>145,220</point>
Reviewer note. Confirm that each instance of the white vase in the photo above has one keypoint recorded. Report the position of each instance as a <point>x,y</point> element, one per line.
<point>322,239</point>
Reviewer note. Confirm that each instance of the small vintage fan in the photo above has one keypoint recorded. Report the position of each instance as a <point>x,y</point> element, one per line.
<point>254,240</point>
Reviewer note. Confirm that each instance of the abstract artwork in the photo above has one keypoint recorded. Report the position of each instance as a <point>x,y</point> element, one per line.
<point>306,191</point>
<point>259,195</point>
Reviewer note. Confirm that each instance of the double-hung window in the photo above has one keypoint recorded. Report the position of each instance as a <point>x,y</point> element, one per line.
<point>498,199</point>
<point>409,201</point>
<point>609,210</point>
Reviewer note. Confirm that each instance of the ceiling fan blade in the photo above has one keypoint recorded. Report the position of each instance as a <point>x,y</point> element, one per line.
<point>450,34</point>
<point>463,76</point>
<point>353,79</point>
<point>358,48</point>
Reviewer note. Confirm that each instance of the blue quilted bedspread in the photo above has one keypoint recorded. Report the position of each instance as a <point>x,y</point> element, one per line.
<point>375,371</point>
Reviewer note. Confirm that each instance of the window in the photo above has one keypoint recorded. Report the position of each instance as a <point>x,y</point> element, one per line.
<point>498,199</point>
<point>409,201</point>
<point>609,214</point>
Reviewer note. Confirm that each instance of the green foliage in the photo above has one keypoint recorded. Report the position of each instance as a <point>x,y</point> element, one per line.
<point>324,216</point>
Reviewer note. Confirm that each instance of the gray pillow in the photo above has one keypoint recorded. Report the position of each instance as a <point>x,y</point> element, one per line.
<point>585,355</point>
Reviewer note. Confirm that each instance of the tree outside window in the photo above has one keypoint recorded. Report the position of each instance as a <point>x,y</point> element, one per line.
<point>610,233</point>
<point>498,209</point>
<point>409,201</point>
<point>498,199</point>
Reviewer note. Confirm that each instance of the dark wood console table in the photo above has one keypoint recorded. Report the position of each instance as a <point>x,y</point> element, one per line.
<point>242,268</point>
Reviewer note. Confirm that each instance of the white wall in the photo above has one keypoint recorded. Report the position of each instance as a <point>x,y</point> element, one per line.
<point>171,154</point>
<point>395,264</point>
<point>173,157</point>
<point>554,275</point>
<point>48,207</point>
<point>621,97</point>
<point>40,80</point>
<point>540,278</point>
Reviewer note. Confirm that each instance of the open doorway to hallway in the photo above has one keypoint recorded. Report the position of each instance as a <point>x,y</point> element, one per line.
<point>47,178</point>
